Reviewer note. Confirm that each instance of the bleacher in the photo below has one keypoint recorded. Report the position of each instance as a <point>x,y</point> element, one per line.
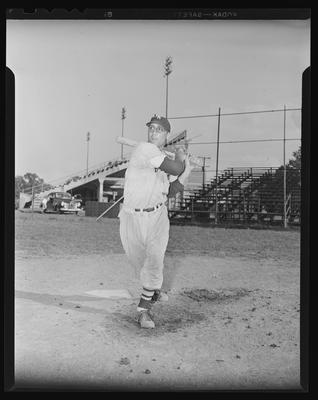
<point>83,177</point>
<point>69,183</point>
<point>243,195</point>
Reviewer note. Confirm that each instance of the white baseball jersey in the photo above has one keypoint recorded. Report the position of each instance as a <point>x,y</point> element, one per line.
<point>145,184</point>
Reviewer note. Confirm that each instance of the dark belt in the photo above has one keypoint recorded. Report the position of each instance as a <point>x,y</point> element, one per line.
<point>149,209</point>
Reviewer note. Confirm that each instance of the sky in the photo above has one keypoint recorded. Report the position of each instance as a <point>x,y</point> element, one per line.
<point>75,76</point>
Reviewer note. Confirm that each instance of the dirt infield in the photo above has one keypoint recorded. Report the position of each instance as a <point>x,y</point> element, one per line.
<point>231,322</point>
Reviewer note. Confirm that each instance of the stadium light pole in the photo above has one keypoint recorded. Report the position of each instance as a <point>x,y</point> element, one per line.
<point>284,160</point>
<point>87,141</point>
<point>32,199</point>
<point>203,170</point>
<point>217,168</point>
<point>123,116</point>
<point>168,71</point>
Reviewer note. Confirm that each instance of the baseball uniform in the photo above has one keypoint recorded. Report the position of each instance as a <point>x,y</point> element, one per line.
<point>144,222</point>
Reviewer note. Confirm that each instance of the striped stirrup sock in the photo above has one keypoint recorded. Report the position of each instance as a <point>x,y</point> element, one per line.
<point>145,299</point>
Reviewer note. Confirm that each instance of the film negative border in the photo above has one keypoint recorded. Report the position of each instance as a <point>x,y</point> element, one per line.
<point>159,13</point>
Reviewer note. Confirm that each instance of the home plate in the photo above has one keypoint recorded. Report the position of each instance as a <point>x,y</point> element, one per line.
<point>110,294</point>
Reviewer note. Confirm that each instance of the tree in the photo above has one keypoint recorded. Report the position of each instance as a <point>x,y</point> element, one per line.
<point>293,169</point>
<point>32,180</point>
<point>295,162</point>
<point>19,184</point>
<point>29,180</point>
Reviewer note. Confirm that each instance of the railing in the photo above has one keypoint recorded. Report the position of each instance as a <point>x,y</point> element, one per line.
<point>82,177</point>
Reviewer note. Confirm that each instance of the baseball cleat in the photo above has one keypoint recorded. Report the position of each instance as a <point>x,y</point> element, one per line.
<point>145,320</point>
<point>159,296</point>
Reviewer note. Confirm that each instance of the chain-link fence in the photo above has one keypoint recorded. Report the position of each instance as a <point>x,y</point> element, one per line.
<point>244,196</point>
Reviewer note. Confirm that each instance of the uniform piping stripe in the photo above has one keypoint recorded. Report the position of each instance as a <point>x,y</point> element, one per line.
<point>148,290</point>
<point>143,296</point>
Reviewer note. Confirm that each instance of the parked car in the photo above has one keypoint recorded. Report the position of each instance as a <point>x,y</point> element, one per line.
<point>61,202</point>
<point>78,201</point>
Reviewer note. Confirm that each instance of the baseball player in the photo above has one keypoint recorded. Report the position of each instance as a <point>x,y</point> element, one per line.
<point>144,222</point>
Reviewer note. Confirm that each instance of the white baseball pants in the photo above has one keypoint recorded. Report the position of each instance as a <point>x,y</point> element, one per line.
<point>144,236</point>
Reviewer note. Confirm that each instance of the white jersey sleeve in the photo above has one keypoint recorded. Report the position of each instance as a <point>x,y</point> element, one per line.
<point>145,184</point>
<point>147,155</point>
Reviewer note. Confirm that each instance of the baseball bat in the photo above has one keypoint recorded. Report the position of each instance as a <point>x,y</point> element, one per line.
<point>133,143</point>
<point>128,142</point>
<point>117,201</point>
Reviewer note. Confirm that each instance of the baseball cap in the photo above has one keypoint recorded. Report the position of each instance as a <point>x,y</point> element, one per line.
<point>162,121</point>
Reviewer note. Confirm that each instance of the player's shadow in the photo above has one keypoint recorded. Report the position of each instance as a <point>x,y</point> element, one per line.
<point>70,302</point>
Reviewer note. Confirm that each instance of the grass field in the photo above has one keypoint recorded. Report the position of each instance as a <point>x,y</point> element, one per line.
<point>66,235</point>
